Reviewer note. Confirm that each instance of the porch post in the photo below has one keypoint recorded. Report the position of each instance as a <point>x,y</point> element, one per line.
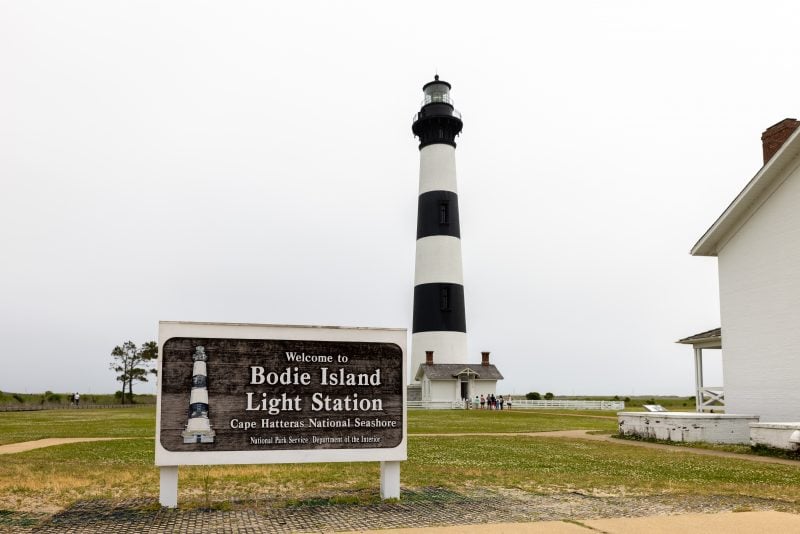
<point>698,378</point>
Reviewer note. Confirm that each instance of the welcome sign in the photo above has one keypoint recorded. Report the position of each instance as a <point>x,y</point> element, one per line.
<point>236,393</point>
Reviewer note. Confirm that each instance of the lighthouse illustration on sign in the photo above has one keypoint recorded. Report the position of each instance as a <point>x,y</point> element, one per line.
<point>198,429</point>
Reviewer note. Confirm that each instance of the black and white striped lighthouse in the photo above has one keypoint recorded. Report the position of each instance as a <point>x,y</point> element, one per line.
<point>439,323</point>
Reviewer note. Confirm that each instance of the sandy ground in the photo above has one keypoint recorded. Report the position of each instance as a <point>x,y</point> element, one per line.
<point>11,448</point>
<point>723,523</point>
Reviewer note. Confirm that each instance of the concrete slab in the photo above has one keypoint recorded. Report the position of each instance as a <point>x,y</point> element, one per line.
<point>723,523</point>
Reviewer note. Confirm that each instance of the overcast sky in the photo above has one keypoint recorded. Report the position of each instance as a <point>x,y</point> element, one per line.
<point>254,162</point>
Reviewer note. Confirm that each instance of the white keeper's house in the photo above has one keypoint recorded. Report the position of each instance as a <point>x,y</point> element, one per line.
<point>757,244</point>
<point>445,382</point>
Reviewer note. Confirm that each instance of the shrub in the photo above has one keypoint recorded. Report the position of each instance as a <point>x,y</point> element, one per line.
<point>18,398</point>
<point>533,395</point>
<point>548,396</point>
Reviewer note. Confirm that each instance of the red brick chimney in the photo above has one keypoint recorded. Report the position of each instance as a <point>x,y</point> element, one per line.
<point>485,358</point>
<point>428,357</point>
<point>773,137</point>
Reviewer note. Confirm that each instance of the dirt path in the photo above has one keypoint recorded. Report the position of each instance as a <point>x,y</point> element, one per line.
<point>584,434</point>
<point>590,416</point>
<point>12,448</point>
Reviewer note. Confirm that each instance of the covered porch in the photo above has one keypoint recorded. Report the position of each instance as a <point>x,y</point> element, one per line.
<point>707,398</point>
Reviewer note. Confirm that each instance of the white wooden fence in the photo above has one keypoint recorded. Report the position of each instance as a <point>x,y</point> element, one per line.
<point>527,405</point>
<point>568,404</point>
<point>436,405</point>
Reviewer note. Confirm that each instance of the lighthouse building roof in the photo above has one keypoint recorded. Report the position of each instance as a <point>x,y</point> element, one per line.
<point>449,371</point>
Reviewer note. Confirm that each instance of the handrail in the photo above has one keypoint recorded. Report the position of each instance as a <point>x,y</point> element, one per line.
<point>455,113</point>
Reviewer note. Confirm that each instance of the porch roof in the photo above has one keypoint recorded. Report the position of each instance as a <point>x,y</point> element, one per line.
<point>710,339</point>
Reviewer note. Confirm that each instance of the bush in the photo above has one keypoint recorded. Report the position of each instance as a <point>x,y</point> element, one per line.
<point>533,395</point>
<point>18,398</point>
<point>548,396</point>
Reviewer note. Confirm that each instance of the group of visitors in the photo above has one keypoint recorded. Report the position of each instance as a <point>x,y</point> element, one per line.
<point>76,399</point>
<point>490,402</point>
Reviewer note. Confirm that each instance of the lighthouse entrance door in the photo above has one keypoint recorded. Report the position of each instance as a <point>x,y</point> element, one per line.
<point>464,379</point>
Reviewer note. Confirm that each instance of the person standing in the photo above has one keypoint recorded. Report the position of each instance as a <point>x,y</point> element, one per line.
<point>483,402</point>
<point>77,398</point>
<point>500,400</point>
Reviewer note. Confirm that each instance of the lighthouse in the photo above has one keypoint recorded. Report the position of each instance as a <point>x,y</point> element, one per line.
<point>439,327</point>
<point>198,428</point>
<point>439,322</point>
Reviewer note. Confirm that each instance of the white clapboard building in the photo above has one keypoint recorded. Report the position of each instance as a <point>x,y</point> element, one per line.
<point>444,383</point>
<point>757,243</point>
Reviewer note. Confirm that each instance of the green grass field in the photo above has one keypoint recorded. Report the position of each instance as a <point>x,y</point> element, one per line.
<point>111,423</point>
<point>50,478</point>
<point>51,399</point>
<point>478,421</point>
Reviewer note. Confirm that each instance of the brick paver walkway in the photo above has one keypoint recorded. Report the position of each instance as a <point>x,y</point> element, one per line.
<point>428,507</point>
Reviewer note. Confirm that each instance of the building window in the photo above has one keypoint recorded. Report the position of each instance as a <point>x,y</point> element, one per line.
<point>444,213</point>
<point>444,298</point>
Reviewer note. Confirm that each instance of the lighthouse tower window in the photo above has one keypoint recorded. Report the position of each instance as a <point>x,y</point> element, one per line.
<point>444,213</point>
<point>444,299</point>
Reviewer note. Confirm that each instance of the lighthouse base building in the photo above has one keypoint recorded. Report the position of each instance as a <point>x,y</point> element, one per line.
<point>446,385</point>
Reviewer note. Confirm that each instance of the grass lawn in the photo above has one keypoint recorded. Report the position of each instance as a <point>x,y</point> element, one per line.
<point>105,423</point>
<point>53,477</point>
<point>478,421</point>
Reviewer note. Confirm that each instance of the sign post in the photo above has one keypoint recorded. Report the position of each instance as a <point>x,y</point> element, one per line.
<point>264,394</point>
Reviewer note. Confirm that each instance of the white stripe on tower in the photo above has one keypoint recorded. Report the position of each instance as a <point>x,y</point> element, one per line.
<point>439,319</point>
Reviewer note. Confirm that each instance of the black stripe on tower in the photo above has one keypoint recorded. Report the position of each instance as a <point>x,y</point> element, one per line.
<point>198,409</point>
<point>439,307</point>
<point>436,123</point>
<point>437,214</point>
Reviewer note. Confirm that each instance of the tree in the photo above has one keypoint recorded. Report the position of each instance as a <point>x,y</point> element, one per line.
<point>548,396</point>
<point>533,395</point>
<point>132,364</point>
